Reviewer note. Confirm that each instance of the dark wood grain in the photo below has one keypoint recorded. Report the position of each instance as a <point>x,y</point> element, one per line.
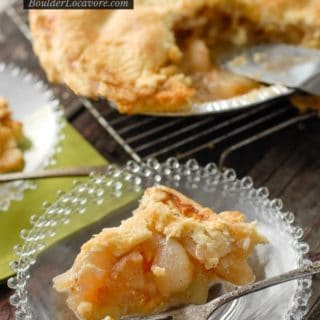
<point>6,311</point>
<point>287,163</point>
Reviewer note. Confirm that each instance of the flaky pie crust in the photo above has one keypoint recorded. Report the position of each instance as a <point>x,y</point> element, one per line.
<point>167,253</point>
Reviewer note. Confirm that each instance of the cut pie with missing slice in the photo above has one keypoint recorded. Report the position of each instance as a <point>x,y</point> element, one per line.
<point>163,55</point>
<point>168,253</point>
<point>11,156</point>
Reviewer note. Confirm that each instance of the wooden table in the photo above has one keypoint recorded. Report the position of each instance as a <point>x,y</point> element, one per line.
<point>288,163</point>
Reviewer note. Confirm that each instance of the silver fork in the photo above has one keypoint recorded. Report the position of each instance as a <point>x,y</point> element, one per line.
<point>203,311</point>
<point>53,173</point>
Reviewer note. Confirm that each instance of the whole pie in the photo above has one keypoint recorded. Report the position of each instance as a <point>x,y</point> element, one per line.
<point>163,55</point>
<point>11,156</point>
<point>168,253</point>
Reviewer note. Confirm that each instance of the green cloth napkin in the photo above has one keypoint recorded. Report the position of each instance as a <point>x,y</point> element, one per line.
<point>75,152</point>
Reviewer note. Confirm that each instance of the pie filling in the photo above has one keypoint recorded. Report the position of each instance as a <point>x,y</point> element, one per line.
<point>208,37</point>
<point>168,253</point>
<point>11,136</point>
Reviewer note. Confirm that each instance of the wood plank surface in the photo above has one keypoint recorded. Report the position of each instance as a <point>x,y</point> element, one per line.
<point>287,163</point>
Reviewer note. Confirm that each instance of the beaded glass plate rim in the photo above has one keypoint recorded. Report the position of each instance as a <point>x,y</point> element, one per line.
<point>134,173</point>
<point>17,189</point>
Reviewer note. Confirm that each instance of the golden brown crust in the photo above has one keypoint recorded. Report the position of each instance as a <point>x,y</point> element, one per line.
<point>11,157</point>
<point>123,62</point>
<point>135,58</point>
<point>167,253</point>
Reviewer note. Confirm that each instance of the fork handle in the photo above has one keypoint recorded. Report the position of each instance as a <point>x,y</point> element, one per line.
<point>52,173</point>
<point>305,271</point>
<point>204,311</point>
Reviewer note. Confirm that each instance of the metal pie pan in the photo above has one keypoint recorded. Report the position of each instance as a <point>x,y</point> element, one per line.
<point>238,103</point>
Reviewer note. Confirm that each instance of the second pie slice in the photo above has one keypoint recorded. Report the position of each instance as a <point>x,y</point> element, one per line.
<point>11,137</point>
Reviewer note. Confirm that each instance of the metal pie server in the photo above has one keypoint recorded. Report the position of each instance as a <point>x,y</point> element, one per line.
<point>294,67</point>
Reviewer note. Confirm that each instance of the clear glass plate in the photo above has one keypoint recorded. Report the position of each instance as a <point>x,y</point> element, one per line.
<point>34,297</point>
<point>34,105</point>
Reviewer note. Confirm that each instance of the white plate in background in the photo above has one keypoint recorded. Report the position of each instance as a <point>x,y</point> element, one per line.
<point>32,103</point>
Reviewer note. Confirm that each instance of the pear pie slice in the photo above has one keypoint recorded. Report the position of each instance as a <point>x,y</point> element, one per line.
<point>168,253</point>
<point>11,157</point>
